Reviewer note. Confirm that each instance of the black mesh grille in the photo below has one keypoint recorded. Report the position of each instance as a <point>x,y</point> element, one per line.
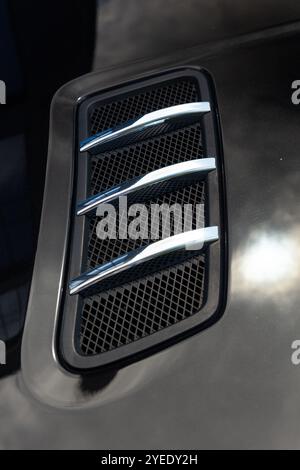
<point>140,308</point>
<point>116,167</point>
<point>101,251</point>
<point>170,94</point>
<point>127,314</point>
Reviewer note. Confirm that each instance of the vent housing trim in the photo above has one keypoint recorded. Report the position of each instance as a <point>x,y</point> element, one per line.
<point>212,305</point>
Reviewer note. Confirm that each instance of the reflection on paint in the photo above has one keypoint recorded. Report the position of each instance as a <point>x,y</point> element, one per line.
<point>269,261</point>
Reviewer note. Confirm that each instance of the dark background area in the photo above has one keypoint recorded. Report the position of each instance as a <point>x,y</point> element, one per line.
<point>43,45</point>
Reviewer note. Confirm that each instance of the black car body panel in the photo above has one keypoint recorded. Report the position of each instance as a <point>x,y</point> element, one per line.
<point>232,385</point>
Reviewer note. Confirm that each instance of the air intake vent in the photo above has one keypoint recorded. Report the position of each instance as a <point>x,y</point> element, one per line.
<point>153,142</point>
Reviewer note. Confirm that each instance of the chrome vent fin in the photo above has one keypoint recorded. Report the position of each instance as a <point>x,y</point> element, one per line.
<point>143,261</point>
<point>151,124</point>
<point>147,186</point>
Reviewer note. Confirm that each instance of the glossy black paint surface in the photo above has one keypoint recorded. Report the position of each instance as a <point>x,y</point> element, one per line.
<point>232,385</point>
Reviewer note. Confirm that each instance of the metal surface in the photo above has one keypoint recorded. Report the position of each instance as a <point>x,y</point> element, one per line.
<point>161,121</point>
<point>159,27</point>
<point>194,240</point>
<point>232,385</point>
<point>185,172</point>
